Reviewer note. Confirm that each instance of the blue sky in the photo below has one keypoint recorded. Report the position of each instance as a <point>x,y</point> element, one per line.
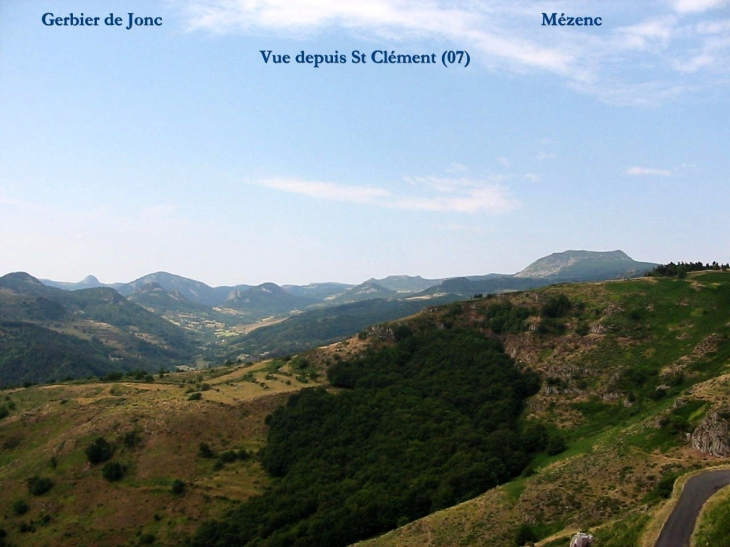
<point>176,148</point>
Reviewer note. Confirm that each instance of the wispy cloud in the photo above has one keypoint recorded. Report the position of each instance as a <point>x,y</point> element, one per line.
<point>667,40</point>
<point>433,194</point>
<point>461,21</point>
<point>493,199</point>
<point>542,156</point>
<point>327,190</point>
<point>695,6</point>
<point>642,171</point>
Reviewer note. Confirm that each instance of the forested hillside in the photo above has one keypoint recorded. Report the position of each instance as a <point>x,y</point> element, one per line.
<point>48,334</point>
<point>417,426</point>
<point>433,412</point>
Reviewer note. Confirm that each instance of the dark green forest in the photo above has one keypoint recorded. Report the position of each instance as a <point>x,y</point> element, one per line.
<point>30,353</point>
<point>681,269</point>
<point>416,426</point>
<point>324,326</point>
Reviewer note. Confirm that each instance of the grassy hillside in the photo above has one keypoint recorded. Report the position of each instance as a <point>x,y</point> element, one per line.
<point>155,430</point>
<point>627,369</point>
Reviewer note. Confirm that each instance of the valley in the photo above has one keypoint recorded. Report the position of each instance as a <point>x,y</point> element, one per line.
<point>616,392</point>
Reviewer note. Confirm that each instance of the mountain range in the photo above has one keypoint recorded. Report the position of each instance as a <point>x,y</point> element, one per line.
<point>590,403</point>
<point>555,268</point>
<point>162,320</point>
<point>48,333</point>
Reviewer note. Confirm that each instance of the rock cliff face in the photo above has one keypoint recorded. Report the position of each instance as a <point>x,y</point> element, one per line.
<point>712,435</point>
<point>581,540</point>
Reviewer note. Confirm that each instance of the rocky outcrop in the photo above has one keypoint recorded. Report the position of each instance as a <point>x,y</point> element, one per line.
<point>712,435</point>
<point>581,540</point>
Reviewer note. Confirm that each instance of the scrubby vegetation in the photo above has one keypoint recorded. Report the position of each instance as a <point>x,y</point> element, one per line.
<point>714,530</point>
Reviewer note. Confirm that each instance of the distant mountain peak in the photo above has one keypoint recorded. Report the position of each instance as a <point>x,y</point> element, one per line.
<point>21,277</point>
<point>580,264</point>
<point>404,283</point>
<point>24,283</point>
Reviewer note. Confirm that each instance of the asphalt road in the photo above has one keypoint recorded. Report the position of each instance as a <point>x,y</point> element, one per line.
<point>678,529</point>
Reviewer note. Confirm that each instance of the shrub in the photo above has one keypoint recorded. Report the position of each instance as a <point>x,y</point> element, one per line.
<point>178,487</point>
<point>205,451</point>
<point>113,471</point>
<point>556,306</point>
<point>20,507</point>
<point>99,451</point>
<point>550,325</point>
<point>38,486</point>
<point>113,377</point>
<point>525,534</point>
<point>195,396</point>
<point>228,456</point>
<point>131,439</point>
<point>664,487</point>
<point>555,445</point>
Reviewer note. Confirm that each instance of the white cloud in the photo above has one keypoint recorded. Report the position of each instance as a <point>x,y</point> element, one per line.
<point>714,27</point>
<point>640,55</point>
<point>695,63</point>
<point>694,6</point>
<point>327,190</point>
<point>493,199</point>
<point>641,171</point>
<point>434,194</point>
<point>655,33</point>
<point>463,22</point>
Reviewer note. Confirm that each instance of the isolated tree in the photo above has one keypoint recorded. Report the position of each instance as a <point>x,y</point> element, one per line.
<point>99,451</point>
<point>113,471</point>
